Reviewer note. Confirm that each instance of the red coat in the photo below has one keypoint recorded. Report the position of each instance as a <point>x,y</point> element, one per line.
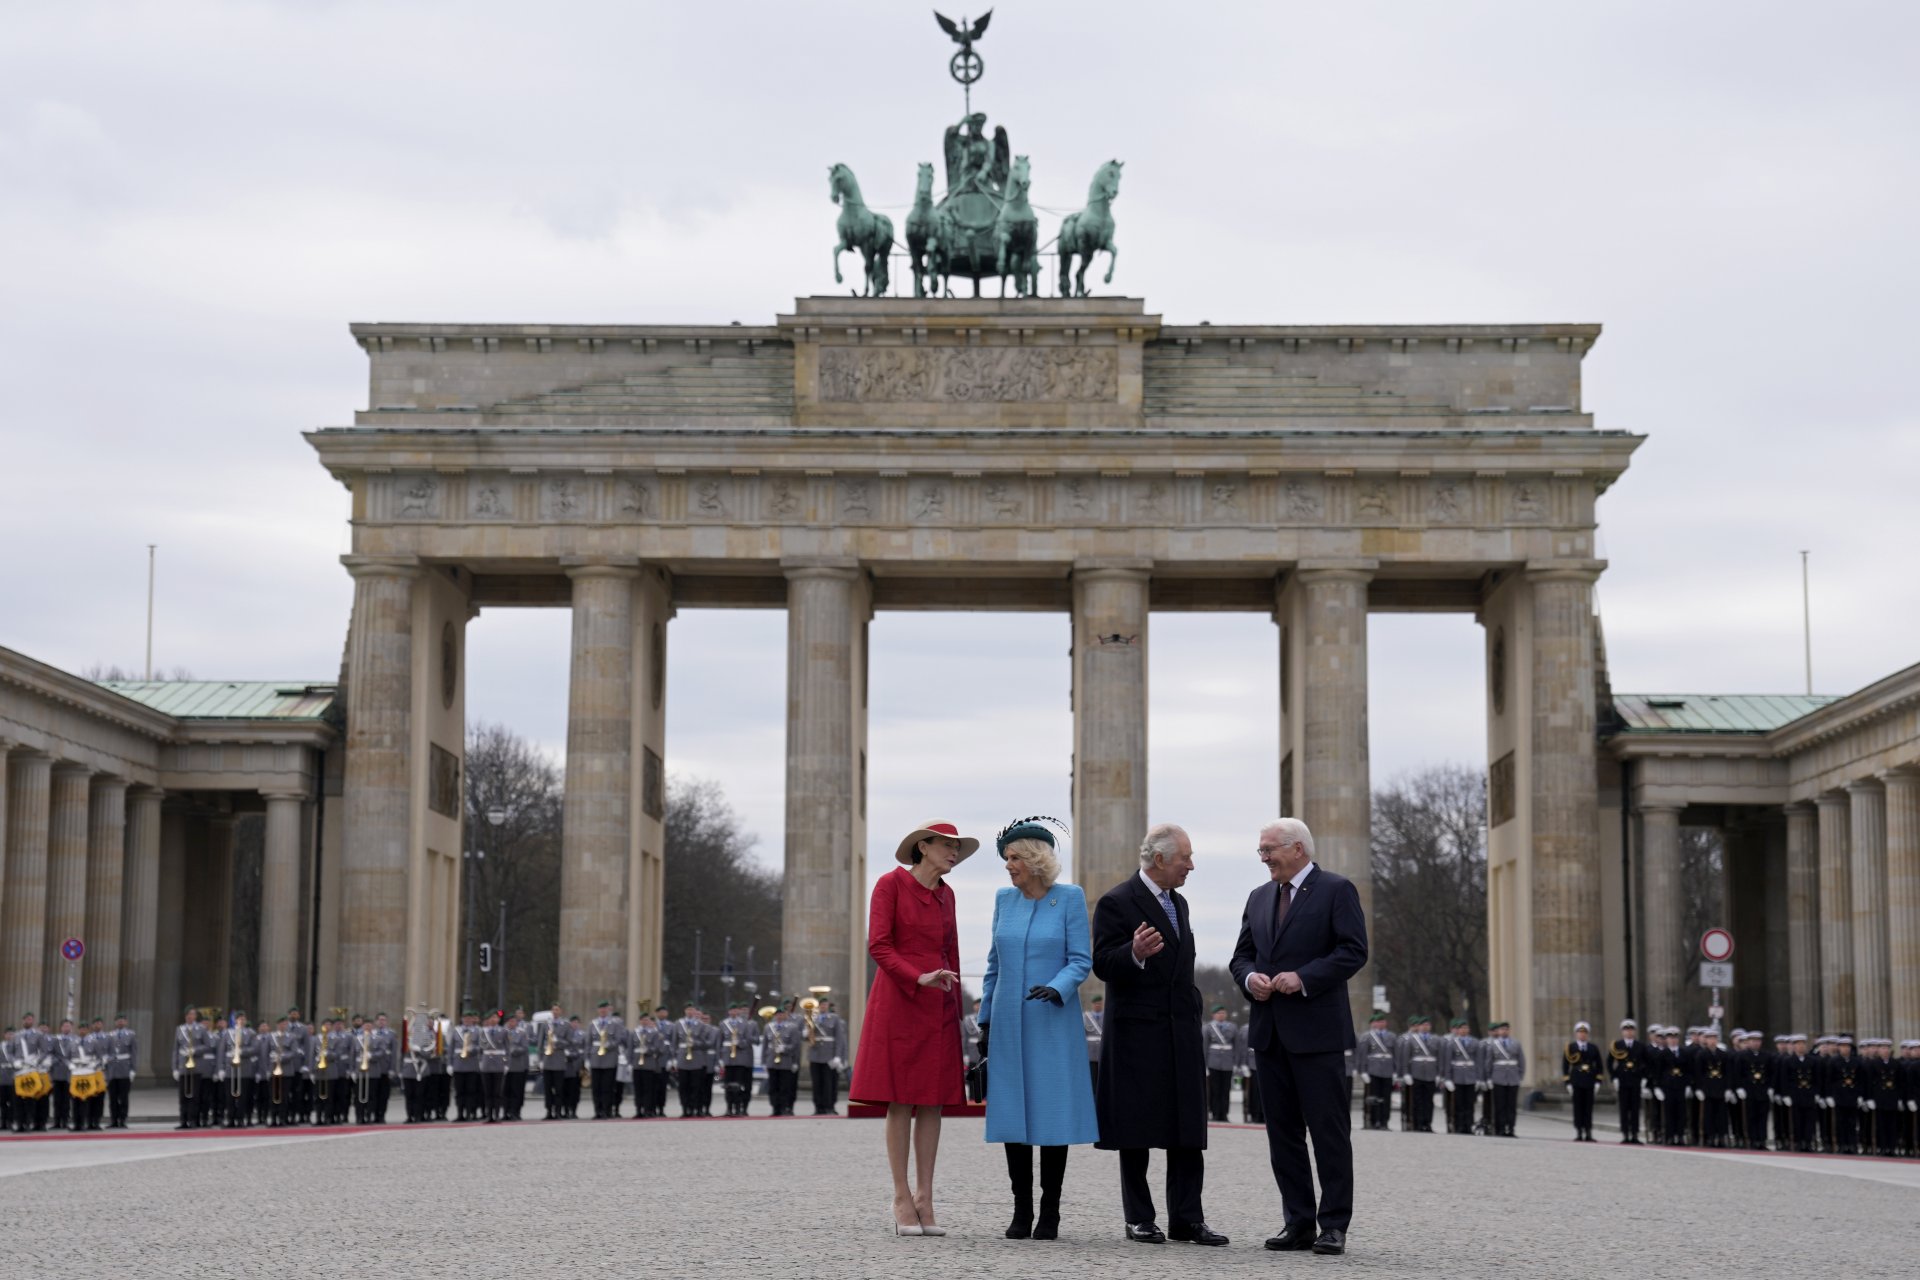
<point>910,1041</point>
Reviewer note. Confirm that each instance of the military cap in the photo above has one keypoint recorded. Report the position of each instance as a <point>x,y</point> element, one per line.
<point>1629,1022</point>
<point>604,1004</point>
<point>1581,1026</point>
<point>1097,1000</point>
<point>1458,1022</point>
<point>1379,1015</point>
<point>1219,1008</point>
<point>1501,1025</point>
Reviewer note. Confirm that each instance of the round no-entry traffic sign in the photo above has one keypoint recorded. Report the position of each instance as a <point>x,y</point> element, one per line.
<point>73,948</point>
<point>1716,945</point>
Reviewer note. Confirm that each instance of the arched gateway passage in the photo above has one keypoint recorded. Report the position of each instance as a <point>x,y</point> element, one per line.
<point>1072,455</point>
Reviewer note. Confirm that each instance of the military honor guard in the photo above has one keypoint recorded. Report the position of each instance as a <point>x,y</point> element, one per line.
<point>33,1054</point>
<point>96,1051</point>
<point>239,1056</point>
<point>550,1055</point>
<point>1842,1090</point>
<point>1752,1094</point>
<point>1221,1040</point>
<point>495,1047</point>
<point>513,1087</point>
<point>123,1055</point>
<point>739,1036</point>
<point>970,1052</point>
<point>1379,1057</point>
<point>1675,1087</point>
<point>1503,1066</point>
<point>1627,1068</point>
<point>1582,1069</point>
<point>690,1060</point>
<point>826,1042</point>
<point>784,1049</point>
<point>608,1037</point>
<point>66,1046</point>
<point>1417,1053</point>
<point>1460,1075</point>
<point>576,1074</point>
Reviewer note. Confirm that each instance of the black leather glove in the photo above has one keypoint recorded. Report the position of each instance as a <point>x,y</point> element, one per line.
<point>1044,993</point>
<point>983,1044</point>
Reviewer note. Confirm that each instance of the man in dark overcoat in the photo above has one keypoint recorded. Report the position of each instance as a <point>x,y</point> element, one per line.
<point>1153,1073</point>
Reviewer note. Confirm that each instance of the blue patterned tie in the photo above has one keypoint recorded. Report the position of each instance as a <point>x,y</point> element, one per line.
<point>1173,917</point>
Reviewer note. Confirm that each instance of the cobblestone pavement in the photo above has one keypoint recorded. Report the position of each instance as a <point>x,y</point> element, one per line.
<point>810,1198</point>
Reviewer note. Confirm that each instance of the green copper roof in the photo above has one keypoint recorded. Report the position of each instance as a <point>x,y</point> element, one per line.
<point>228,699</point>
<point>1714,712</point>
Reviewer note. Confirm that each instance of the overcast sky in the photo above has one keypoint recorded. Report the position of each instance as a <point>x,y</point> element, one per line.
<point>196,199</point>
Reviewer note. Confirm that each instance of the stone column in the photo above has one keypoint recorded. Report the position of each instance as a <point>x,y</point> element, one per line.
<point>139,921</point>
<point>280,903</point>
<point>106,872</point>
<point>1109,722</point>
<point>23,913</point>
<point>375,857</point>
<point>596,826</point>
<point>66,882</point>
<point>170,993</point>
<point>1836,914</point>
<point>1867,879</point>
<point>1335,785</point>
<point>1568,966</point>
<point>1903,900</point>
<point>827,609</point>
<point>1662,945</point>
<point>1803,917</point>
<point>219,909</point>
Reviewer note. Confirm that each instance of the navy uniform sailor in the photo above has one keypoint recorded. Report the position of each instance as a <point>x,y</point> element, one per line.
<point>1379,1059</point>
<point>1752,1081</point>
<point>1627,1067</point>
<point>1582,1069</point>
<point>1712,1086</point>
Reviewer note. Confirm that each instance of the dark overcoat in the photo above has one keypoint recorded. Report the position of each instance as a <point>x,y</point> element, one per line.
<point>1153,1068</point>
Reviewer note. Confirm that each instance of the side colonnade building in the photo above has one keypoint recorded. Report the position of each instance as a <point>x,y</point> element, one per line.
<point>118,804</point>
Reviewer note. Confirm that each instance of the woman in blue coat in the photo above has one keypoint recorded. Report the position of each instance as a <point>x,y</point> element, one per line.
<point>1038,1090</point>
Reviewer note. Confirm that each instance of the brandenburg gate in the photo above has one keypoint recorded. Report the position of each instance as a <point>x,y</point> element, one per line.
<point>1073,455</point>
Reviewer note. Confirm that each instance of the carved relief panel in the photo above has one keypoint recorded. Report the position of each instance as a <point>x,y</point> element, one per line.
<point>968,374</point>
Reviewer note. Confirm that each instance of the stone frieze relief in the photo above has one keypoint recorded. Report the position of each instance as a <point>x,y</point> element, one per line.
<point>979,374</point>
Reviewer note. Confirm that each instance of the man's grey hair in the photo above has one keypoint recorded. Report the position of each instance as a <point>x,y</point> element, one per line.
<point>1163,841</point>
<point>1292,831</point>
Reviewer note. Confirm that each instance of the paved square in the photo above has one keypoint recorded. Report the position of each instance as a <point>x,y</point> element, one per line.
<point>807,1197</point>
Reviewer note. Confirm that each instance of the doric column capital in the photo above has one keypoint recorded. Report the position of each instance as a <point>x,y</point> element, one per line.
<point>1836,799</point>
<point>1113,568</point>
<point>300,794</point>
<point>838,568</point>
<point>382,566</point>
<point>1310,571</point>
<point>1658,806</point>
<point>110,780</point>
<point>1901,775</point>
<point>1798,807</point>
<point>68,768</point>
<point>1587,571</point>
<point>578,567</point>
<point>1869,786</point>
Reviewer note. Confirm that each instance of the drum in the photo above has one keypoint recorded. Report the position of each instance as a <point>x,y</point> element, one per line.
<point>90,1085</point>
<point>32,1085</point>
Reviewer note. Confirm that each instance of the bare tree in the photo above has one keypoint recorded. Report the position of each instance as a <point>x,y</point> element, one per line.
<point>716,886</point>
<point>1428,934</point>
<point>114,673</point>
<point>1703,897</point>
<point>506,774</point>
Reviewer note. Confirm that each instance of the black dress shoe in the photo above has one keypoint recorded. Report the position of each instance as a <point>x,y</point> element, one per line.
<point>1297,1236</point>
<point>1145,1233</point>
<point>1195,1233</point>
<point>1332,1240</point>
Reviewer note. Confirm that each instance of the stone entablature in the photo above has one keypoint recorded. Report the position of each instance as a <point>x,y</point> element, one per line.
<point>980,365</point>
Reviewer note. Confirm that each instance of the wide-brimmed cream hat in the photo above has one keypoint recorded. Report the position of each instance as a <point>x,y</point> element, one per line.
<point>927,831</point>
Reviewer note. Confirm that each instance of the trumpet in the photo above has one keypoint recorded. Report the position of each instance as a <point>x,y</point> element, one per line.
<point>808,1008</point>
<point>766,1012</point>
<point>234,1085</point>
<point>688,1027</point>
<point>365,1088</point>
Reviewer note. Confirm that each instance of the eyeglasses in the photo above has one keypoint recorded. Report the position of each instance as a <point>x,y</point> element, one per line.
<point>1268,849</point>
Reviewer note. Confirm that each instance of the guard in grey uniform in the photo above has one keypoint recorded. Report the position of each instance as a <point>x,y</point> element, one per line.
<point>607,1040</point>
<point>783,1049</point>
<point>1379,1065</point>
<point>550,1052</point>
<point>96,1050</point>
<point>123,1053</point>
<point>648,1048</point>
<point>519,1057</point>
<point>695,1064</point>
<point>1503,1065</point>
<point>576,1065</point>
<point>1220,1040</point>
<point>970,1052</point>
<point>737,1037</point>
<point>825,1058</point>
<point>463,1064</point>
<point>1419,1055</point>
<point>1460,1076</point>
<point>239,1056</point>
<point>65,1046</point>
<point>494,1050</point>
<point>32,1051</point>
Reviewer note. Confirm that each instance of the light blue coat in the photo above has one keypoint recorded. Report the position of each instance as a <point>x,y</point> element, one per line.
<point>1039,1090</point>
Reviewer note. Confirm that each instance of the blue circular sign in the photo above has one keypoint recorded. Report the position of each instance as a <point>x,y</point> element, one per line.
<point>73,948</point>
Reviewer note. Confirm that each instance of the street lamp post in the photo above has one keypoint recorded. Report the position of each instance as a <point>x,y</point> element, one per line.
<point>495,817</point>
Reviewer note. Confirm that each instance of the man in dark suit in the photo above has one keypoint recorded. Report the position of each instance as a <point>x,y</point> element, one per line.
<point>1152,1090</point>
<point>1302,937</point>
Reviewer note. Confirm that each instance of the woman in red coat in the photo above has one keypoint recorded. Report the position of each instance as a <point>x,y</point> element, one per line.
<point>910,1055</point>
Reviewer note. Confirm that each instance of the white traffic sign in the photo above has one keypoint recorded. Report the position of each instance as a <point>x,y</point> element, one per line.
<point>1716,975</point>
<point>1716,945</point>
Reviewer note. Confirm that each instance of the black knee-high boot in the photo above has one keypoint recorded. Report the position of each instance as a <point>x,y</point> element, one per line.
<point>1053,1171</point>
<point>1020,1174</point>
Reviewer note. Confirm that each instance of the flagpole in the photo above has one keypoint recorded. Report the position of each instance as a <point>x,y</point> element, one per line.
<point>150,547</point>
<point>1806,619</point>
